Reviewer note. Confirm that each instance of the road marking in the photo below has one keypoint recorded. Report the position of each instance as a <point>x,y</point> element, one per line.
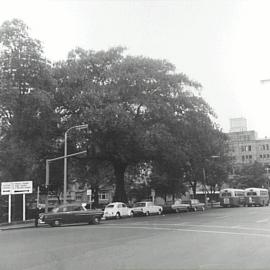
<point>262,220</point>
<point>236,227</point>
<point>185,230</point>
<point>184,224</point>
<point>222,217</point>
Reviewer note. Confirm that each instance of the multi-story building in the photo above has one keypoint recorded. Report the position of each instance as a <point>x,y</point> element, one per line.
<point>245,147</point>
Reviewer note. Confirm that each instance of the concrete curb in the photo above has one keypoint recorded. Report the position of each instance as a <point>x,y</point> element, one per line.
<point>17,225</point>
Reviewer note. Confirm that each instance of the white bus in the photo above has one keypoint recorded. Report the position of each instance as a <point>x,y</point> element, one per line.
<point>231,197</point>
<point>256,197</point>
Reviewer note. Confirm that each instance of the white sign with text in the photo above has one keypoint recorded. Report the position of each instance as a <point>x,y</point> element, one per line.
<point>16,187</point>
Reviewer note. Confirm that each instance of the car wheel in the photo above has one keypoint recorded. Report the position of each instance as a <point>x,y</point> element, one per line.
<point>147,213</point>
<point>159,212</point>
<point>131,214</point>
<point>57,223</point>
<point>195,209</point>
<point>118,216</point>
<point>95,220</point>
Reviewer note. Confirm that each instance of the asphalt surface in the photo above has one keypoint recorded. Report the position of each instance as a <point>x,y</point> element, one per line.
<point>233,238</point>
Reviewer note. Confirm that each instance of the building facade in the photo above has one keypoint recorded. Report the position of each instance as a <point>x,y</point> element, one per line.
<point>245,147</point>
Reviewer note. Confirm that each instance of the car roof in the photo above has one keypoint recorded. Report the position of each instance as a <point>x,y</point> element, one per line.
<point>69,204</point>
<point>114,203</point>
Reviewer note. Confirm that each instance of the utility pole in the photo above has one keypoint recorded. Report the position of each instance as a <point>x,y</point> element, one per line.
<point>65,158</point>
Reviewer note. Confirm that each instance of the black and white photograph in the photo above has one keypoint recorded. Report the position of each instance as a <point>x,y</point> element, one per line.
<point>134,135</point>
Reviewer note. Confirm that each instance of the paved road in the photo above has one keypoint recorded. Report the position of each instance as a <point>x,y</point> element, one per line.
<point>237,238</point>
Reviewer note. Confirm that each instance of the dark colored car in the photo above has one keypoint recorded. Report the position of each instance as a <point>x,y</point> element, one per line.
<point>167,208</point>
<point>71,213</point>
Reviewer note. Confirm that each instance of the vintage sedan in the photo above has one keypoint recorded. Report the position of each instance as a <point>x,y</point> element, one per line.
<point>146,208</point>
<point>70,214</point>
<point>180,206</point>
<point>195,204</point>
<point>117,210</point>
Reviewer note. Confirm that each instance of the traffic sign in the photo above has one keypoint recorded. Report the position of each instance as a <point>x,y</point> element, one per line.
<point>6,188</point>
<point>23,187</point>
<point>89,192</point>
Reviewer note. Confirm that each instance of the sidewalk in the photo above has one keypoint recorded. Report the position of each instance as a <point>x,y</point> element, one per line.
<point>17,225</point>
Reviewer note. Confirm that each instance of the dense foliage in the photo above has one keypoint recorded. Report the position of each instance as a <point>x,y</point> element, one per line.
<point>138,110</point>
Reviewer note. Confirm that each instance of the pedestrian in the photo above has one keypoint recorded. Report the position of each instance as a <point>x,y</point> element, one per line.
<point>36,215</point>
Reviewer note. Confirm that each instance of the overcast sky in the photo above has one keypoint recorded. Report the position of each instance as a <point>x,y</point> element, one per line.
<point>223,44</point>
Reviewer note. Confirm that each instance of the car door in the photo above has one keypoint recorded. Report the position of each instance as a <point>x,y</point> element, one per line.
<point>124,210</point>
<point>64,214</point>
<point>80,215</point>
<point>151,208</point>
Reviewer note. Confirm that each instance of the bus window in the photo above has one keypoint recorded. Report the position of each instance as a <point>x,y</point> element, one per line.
<point>251,193</point>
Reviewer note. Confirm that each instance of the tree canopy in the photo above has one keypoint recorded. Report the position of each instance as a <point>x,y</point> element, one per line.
<point>28,121</point>
<point>139,110</point>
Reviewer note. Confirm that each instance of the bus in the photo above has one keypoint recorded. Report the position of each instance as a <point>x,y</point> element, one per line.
<point>256,197</point>
<point>231,197</point>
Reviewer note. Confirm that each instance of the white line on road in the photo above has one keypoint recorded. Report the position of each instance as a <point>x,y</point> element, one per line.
<point>184,224</point>
<point>185,230</point>
<point>262,220</point>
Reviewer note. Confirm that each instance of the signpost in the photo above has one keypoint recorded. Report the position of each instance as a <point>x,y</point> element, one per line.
<point>14,188</point>
<point>89,193</point>
<point>153,194</point>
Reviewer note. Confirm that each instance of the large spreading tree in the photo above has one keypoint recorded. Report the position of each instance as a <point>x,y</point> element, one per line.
<point>28,121</point>
<point>27,117</point>
<point>137,108</point>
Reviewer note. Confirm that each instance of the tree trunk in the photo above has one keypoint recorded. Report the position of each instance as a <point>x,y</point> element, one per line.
<point>194,187</point>
<point>119,172</point>
<point>96,198</point>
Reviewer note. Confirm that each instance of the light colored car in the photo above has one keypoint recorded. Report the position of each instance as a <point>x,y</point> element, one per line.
<point>179,206</point>
<point>195,205</point>
<point>146,208</point>
<point>117,210</point>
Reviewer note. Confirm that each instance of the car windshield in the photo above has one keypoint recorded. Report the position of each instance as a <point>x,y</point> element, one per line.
<point>140,204</point>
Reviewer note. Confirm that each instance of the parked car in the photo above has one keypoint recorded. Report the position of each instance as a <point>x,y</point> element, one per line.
<point>71,213</point>
<point>195,204</point>
<point>146,208</point>
<point>180,206</point>
<point>167,208</point>
<point>117,210</point>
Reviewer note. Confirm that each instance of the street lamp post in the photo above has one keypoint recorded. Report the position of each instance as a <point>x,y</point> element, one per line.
<point>65,159</point>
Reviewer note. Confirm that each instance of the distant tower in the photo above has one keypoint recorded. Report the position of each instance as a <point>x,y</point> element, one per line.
<point>238,124</point>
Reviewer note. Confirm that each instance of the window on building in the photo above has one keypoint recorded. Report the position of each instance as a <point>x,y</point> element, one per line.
<point>261,156</point>
<point>267,147</point>
<point>243,158</point>
<point>103,196</point>
<point>249,148</point>
<point>268,156</point>
<point>250,156</point>
<point>263,147</point>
